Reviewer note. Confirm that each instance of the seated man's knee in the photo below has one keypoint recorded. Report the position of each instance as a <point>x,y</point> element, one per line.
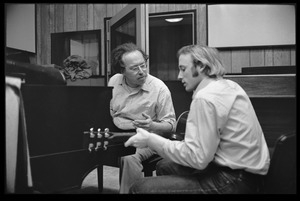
<point>163,167</point>
<point>127,159</point>
<point>143,185</point>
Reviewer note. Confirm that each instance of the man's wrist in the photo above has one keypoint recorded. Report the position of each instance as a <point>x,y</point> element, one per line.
<point>155,142</point>
<point>152,127</point>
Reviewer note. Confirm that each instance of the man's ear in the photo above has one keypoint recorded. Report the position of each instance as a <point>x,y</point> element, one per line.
<point>196,71</point>
<point>200,68</point>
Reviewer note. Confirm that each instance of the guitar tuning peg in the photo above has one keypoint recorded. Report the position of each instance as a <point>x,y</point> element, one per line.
<point>92,135</point>
<point>105,145</point>
<point>91,147</point>
<point>106,131</point>
<point>99,133</point>
<point>97,146</point>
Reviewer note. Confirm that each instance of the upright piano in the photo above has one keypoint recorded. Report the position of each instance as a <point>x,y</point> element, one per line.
<point>56,118</point>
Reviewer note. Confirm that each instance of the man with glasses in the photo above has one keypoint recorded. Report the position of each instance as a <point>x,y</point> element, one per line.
<point>139,100</point>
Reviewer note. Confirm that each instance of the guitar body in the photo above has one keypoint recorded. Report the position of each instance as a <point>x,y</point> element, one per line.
<point>180,127</point>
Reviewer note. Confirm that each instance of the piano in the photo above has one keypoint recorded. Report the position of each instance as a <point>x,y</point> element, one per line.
<point>56,119</point>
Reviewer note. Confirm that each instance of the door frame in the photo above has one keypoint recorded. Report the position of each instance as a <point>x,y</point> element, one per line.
<point>142,30</point>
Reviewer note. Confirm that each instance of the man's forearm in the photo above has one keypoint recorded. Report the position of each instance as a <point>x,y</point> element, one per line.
<point>161,127</point>
<point>156,142</point>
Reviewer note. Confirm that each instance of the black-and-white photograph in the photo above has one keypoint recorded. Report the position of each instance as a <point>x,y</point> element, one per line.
<point>150,98</point>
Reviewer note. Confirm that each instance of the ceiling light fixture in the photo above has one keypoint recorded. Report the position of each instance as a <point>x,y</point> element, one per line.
<point>174,19</point>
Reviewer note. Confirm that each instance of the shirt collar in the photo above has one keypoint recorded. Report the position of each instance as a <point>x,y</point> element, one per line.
<point>204,83</point>
<point>146,86</point>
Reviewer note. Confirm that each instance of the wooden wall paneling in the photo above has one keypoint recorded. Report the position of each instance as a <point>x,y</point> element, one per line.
<point>178,7</point>
<point>293,57</point>
<point>161,8</point>
<point>240,58</point>
<point>282,57</point>
<point>201,25</point>
<point>269,57</point>
<point>171,7</point>
<point>226,60</point>
<point>194,6</point>
<point>70,13</point>
<point>90,17</point>
<point>183,6</point>
<point>151,8</point>
<point>100,12</point>
<point>117,8</point>
<point>82,17</point>
<point>263,85</point>
<point>59,16</point>
<point>45,35</point>
<point>52,18</point>
<point>109,10</point>
<point>257,57</point>
<point>52,26</point>
<point>38,36</point>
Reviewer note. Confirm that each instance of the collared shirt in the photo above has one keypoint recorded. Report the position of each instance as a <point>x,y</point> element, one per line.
<point>128,104</point>
<point>222,127</point>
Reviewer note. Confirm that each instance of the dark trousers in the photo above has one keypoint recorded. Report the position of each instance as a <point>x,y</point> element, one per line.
<point>173,178</point>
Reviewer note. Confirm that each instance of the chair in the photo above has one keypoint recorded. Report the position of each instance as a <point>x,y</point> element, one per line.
<point>149,165</point>
<point>281,177</point>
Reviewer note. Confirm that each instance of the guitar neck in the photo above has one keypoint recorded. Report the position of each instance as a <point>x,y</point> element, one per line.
<point>116,134</point>
<point>110,133</point>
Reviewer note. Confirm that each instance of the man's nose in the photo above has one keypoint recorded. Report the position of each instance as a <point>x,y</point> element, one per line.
<point>141,71</point>
<point>179,77</point>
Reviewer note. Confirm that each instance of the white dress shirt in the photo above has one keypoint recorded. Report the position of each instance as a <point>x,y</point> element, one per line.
<point>128,104</point>
<point>222,127</point>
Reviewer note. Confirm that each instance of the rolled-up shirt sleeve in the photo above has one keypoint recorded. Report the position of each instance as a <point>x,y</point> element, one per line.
<point>153,99</point>
<point>165,110</point>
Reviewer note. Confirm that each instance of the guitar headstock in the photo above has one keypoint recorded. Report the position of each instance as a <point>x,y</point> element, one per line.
<point>99,140</point>
<point>96,140</point>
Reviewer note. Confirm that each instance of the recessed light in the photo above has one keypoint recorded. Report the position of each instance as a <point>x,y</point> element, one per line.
<point>174,19</point>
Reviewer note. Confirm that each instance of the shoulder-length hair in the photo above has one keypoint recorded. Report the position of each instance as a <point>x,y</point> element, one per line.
<point>205,56</point>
